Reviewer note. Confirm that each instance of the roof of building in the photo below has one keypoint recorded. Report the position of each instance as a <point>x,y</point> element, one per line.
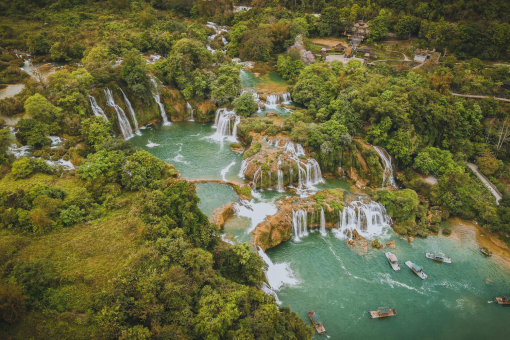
<point>416,267</point>
<point>316,318</point>
<point>384,310</point>
<point>393,258</point>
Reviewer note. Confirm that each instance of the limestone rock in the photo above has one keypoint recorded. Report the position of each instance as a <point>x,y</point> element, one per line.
<point>220,215</point>
<point>391,244</point>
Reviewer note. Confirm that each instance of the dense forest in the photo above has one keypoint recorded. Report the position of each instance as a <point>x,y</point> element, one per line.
<point>118,248</point>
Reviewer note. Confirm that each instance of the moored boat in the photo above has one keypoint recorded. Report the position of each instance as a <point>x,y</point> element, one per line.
<point>416,269</point>
<point>392,259</point>
<point>439,257</point>
<point>486,251</point>
<point>502,300</point>
<point>317,322</point>
<point>383,312</point>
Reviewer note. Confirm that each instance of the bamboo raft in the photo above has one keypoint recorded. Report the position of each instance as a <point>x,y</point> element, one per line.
<point>502,301</point>
<point>317,322</point>
<point>383,312</point>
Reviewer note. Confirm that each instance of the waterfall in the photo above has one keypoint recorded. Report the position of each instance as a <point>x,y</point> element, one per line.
<point>96,109</point>
<point>223,124</point>
<point>255,176</point>
<point>272,101</point>
<point>125,127</point>
<point>286,98</point>
<point>277,275</point>
<point>314,172</point>
<point>323,223</point>
<point>388,168</point>
<point>280,181</point>
<point>299,218</point>
<point>244,167</point>
<point>368,219</point>
<point>189,109</point>
<point>157,98</point>
<point>299,150</point>
<point>131,112</point>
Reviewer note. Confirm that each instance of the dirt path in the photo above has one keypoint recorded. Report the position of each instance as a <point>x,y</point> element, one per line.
<point>330,42</point>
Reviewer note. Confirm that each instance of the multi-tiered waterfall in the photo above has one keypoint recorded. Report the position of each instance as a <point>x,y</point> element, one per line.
<point>157,98</point>
<point>96,109</point>
<point>388,168</point>
<point>125,126</point>
<point>131,112</point>
<point>226,125</point>
<point>368,219</point>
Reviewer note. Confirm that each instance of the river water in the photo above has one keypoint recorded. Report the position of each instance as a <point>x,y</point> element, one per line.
<point>338,282</point>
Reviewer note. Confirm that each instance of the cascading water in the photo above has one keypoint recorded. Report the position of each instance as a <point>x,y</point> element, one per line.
<point>157,98</point>
<point>96,109</point>
<point>277,275</point>
<point>299,220</point>
<point>368,219</point>
<point>256,175</point>
<point>299,150</point>
<point>286,98</point>
<point>323,223</point>
<point>189,109</point>
<point>223,124</point>
<point>388,168</point>
<point>131,112</point>
<point>125,127</point>
<point>272,101</point>
<point>244,167</point>
<point>280,181</point>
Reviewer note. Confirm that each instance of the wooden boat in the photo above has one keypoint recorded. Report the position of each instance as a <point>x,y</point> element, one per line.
<point>486,251</point>
<point>392,259</point>
<point>416,269</point>
<point>439,257</point>
<point>317,322</point>
<point>502,300</point>
<point>383,312</point>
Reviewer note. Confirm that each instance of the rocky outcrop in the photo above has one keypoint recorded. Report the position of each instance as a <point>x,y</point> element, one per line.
<point>220,215</point>
<point>205,111</point>
<point>278,227</point>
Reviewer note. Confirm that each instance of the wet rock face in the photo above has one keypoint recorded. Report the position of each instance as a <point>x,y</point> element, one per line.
<point>220,215</point>
<point>279,227</point>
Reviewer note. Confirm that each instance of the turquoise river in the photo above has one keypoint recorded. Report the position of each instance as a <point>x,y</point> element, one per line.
<point>322,273</point>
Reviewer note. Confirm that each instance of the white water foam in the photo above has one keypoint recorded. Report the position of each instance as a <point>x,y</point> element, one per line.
<point>225,170</point>
<point>151,144</point>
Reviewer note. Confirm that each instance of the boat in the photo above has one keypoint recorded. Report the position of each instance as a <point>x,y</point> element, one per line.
<point>416,269</point>
<point>502,300</point>
<point>439,257</point>
<point>486,251</point>
<point>317,322</point>
<point>383,312</point>
<point>392,259</point>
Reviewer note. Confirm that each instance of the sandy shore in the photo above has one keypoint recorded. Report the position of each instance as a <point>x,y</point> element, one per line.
<point>500,250</point>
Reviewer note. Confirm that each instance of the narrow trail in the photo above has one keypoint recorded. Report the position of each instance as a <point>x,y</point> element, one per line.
<point>480,97</point>
<point>487,183</point>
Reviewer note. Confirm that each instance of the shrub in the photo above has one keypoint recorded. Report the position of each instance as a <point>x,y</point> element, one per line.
<point>22,168</point>
<point>12,303</point>
<point>244,105</point>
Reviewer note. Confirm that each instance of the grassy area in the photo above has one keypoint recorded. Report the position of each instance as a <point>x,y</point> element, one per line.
<point>86,256</point>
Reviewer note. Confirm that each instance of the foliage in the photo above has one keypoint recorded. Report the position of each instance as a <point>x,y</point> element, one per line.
<point>288,68</point>
<point>95,131</point>
<point>315,86</point>
<point>227,85</point>
<point>12,303</point>
<point>244,105</point>
<point>436,161</point>
<point>22,168</point>
<point>32,132</point>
